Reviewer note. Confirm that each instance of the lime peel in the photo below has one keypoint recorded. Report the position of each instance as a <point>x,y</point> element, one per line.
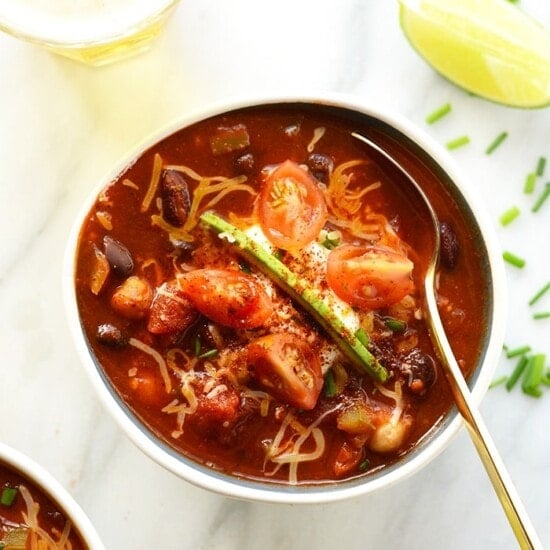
<point>488,47</point>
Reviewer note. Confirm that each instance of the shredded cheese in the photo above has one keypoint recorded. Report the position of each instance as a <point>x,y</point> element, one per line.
<point>158,358</point>
<point>318,133</point>
<point>153,184</point>
<point>104,218</point>
<point>39,538</point>
<point>287,449</point>
<point>130,183</point>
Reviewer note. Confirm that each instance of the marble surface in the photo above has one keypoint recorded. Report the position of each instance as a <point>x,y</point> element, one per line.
<point>64,125</point>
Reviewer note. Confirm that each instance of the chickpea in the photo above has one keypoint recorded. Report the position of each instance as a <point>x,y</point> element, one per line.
<point>132,298</point>
<point>389,436</point>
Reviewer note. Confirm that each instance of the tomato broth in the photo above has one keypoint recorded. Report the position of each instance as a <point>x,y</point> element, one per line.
<point>228,366</point>
<point>30,519</point>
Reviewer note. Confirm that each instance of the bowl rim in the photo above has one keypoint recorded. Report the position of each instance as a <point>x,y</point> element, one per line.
<point>39,476</point>
<point>324,493</point>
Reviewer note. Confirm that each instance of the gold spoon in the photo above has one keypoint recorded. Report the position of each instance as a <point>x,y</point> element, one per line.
<point>502,483</point>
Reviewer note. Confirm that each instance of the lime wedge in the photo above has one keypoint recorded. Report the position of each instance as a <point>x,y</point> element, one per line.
<point>488,47</point>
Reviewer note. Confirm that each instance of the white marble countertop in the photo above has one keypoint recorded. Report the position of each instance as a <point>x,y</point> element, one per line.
<point>64,125</point>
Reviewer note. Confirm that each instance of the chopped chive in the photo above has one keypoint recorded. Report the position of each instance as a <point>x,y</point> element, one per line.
<point>395,325</point>
<point>498,381</point>
<point>533,392</point>
<point>509,215</point>
<point>517,372</point>
<point>539,294</point>
<point>496,142</point>
<point>511,353</point>
<point>329,387</point>
<point>546,378</point>
<point>530,182</point>
<point>513,259</point>
<point>541,164</point>
<point>458,142</point>
<point>208,354</point>
<point>364,465</point>
<point>542,198</point>
<point>362,336</point>
<point>541,315</point>
<point>197,346</point>
<point>8,496</point>
<point>434,116</point>
<point>533,375</point>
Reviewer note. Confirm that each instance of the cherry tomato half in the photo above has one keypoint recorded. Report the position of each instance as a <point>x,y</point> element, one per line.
<point>286,367</point>
<point>231,298</point>
<point>369,277</point>
<point>292,208</point>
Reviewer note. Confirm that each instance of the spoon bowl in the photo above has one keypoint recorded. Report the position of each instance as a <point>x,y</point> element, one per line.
<point>488,453</point>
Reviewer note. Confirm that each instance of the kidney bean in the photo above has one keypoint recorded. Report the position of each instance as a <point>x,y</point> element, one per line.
<point>449,246</point>
<point>320,166</point>
<point>245,163</point>
<point>118,256</point>
<point>176,201</point>
<point>110,336</point>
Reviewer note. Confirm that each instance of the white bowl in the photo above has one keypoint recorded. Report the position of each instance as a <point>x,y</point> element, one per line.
<point>39,477</point>
<point>433,443</point>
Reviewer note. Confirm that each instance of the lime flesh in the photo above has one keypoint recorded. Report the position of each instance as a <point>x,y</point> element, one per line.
<point>488,47</point>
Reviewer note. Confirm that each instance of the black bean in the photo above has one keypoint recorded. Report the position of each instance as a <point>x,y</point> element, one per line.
<point>110,336</point>
<point>320,166</point>
<point>420,370</point>
<point>449,246</point>
<point>245,163</point>
<point>176,201</point>
<point>118,256</point>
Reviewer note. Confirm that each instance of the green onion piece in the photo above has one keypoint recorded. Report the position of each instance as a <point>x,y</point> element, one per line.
<point>541,315</point>
<point>518,351</point>
<point>330,239</point>
<point>530,182</point>
<point>458,142</point>
<point>496,142</point>
<point>533,375</point>
<point>542,198</point>
<point>208,354</point>
<point>395,325</point>
<point>434,116</point>
<point>546,378</point>
<point>498,381</point>
<point>2,546</point>
<point>539,294</point>
<point>509,216</point>
<point>364,465</point>
<point>513,259</point>
<point>517,372</point>
<point>197,346</point>
<point>541,164</point>
<point>362,336</point>
<point>329,387</point>
<point>8,496</point>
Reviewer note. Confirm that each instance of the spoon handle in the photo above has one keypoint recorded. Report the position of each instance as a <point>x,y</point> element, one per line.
<point>488,453</point>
